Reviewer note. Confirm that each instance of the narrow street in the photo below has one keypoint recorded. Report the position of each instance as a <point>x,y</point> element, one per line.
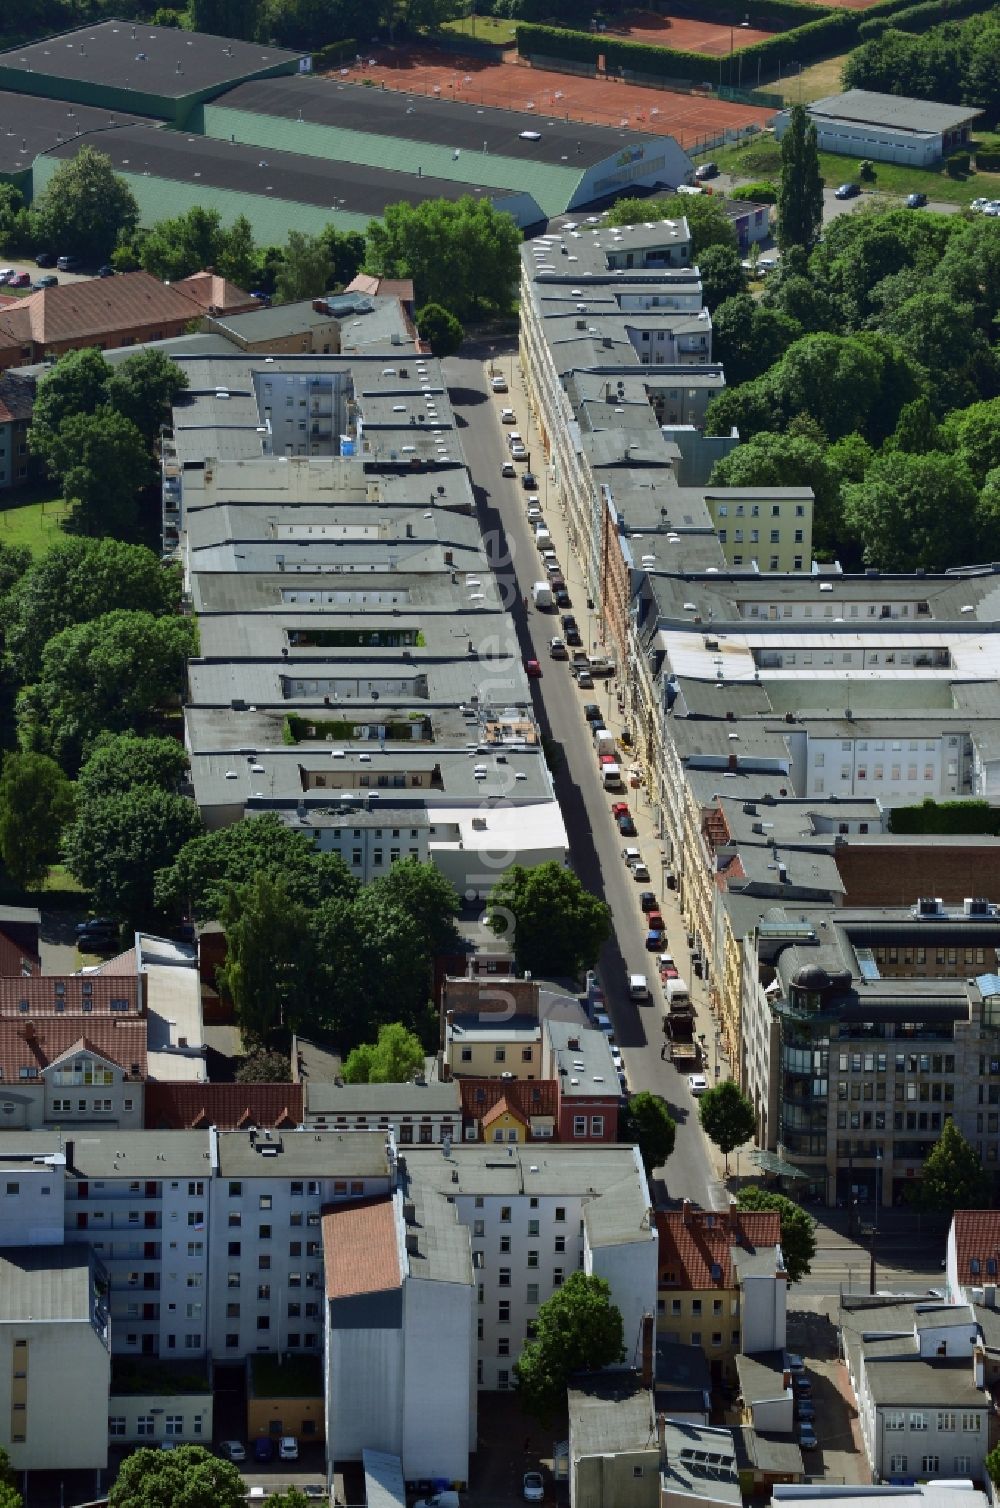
<point>595,842</point>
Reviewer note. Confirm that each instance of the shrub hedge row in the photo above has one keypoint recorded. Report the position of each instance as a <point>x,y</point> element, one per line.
<point>918,17</point>
<point>947,817</point>
<point>987,162</point>
<point>834,31</point>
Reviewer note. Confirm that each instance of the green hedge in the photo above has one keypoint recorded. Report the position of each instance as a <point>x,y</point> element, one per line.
<point>919,17</point>
<point>334,53</point>
<point>977,817</point>
<point>988,162</point>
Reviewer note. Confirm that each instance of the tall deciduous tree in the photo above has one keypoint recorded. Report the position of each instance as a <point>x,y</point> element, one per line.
<point>77,384</point>
<point>914,512</point>
<point>647,1122</point>
<point>578,1329</point>
<point>553,924</point>
<point>393,1059</point>
<point>727,1117</point>
<point>421,890</point>
<point>36,802</point>
<point>722,275</point>
<point>117,843</point>
<point>306,270</point>
<point>269,970</point>
<point>800,194</point>
<point>227,18</point>
<point>798,1229</point>
<point>85,207</point>
<point>143,388</point>
<point>188,1477</point>
<point>440,329</point>
<point>461,254</point>
<point>121,762</point>
<point>100,464</point>
<point>953,1178</point>
<point>78,580</point>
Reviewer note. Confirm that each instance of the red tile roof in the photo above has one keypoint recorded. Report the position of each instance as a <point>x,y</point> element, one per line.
<point>70,994</point>
<point>216,295</point>
<point>359,1248</point>
<point>35,1044</point>
<point>231,1107</point>
<point>523,1099</point>
<point>696,1246</point>
<point>977,1239</point>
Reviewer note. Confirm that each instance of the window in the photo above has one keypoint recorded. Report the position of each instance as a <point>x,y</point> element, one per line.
<point>532,1259</point>
<point>972,1423</point>
<point>504,1278</point>
<point>918,1422</point>
<point>894,1422</point>
<point>579,1125</point>
<point>930,1464</point>
<point>503,1345</point>
<point>946,1422</point>
<point>264,1202</point>
<point>505,1213</point>
<point>144,1425</point>
<point>116,1425</point>
<point>898,1466</point>
<point>560,1214</point>
<point>963,1466</point>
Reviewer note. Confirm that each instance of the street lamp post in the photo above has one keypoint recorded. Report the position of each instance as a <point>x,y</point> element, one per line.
<point>878,1201</point>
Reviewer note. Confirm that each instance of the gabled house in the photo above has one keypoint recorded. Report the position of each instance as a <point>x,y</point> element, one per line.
<point>972,1260</point>
<point>79,1070</point>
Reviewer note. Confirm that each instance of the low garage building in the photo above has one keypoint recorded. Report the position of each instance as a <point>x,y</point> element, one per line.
<point>886,127</point>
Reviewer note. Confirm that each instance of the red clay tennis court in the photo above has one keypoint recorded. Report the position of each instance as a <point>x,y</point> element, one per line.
<point>718,38</point>
<point>690,118</point>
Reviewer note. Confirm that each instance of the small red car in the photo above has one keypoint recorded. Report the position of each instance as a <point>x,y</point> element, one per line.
<point>533,670</point>
<point>620,809</point>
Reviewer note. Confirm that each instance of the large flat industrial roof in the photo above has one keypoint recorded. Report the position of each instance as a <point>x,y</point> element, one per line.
<point>895,111</point>
<point>281,176</point>
<point>150,59</point>
<point>30,124</point>
<point>449,123</point>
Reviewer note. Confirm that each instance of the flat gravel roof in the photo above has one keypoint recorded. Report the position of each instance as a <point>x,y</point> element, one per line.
<point>444,122</point>
<point>278,175</point>
<point>30,124</point>
<point>154,59</point>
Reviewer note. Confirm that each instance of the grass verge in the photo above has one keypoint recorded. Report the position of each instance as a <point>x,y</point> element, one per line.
<point>33,522</point>
<point>483,29</point>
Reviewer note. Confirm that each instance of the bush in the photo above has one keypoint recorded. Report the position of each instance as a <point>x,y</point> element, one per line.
<point>334,53</point>
<point>756,193</point>
<point>971,817</point>
<point>987,162</point>
<point>958,164</point>
<point>866,170</point>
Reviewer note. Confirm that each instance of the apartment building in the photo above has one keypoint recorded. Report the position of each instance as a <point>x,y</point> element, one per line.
<point>535,1215</point>
<point>917,1375</point>
<point>722,1283</point>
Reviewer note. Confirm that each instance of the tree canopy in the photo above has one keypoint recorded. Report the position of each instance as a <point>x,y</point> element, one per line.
<point>800,195</point>
<point>270,967</point>
<point>727,1117</point>
<point>393,1059</point>
<point>914,511</point>
<point>798,1229</point>
<point>122,762</point>
<point>118,841</point>
<point>85,207</point>
<point>578,1329</point>
<point>36,802</point>
<point>441,329</point>
<point>188,1477</point>
<point>100,464</point>
<point>553,925</point>
<point>461,254</point>
<point>953,1177</point>
<point>306,269</point>
<point>647,1122</point>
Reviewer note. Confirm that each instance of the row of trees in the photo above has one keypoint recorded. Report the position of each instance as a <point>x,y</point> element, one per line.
<point>462,255</point>
<point>867,370</point>
<point>954,63</point>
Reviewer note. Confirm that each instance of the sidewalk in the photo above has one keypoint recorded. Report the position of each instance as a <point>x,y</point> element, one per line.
<point>648,839</point>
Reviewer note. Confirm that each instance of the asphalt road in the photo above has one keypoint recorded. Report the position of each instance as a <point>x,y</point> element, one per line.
<point>595,843</point>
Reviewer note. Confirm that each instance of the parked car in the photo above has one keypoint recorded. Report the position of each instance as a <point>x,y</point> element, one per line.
<point>5,274</point>
<point>805,1409</point>
<point>533,670</point>
<point>563,598</point>
<point>698,1084</point>
<point>519,453</point>
<point>533,1487</point>
<point>794,1364</point>
<point>803,1387</point>
<point>626,826</point>
<point>706,170</point>
<point>102,925</point>
<point>19,280</point>
<point>447,1499</point>
<point>654,941</point>
<point>507,416</point>
<point>263,1448</point>
<point>557,649</point>
<point>288,1448</point>
<point>48,281</point>
<point>807,1437</point>
<point>916,201</point>
<point>638,987</point>
<point>528,481</point>
<point>45,259</point>
<point>107,271</point>
<point>654,920</point>
<point>592,712</point>
<point>68,264</point>
<point>499,384</point>
<point>647,900</point>
<point>584,680</point>
<point>507,469</point>
<point>632,856</point>
<point>572,635</point>
<point>848,191</point>
<point>640,873</point>
<point>233,1450</point>
<point>534,513</point>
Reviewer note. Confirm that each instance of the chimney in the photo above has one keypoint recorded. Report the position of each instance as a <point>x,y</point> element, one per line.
<point>686,1211</point>
<point>733,762</point>
<point>647,1352</point>
<point>990,1295</point>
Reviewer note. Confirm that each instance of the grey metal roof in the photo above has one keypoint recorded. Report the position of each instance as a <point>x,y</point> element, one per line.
<point>285,176</point>
<point>620,1215</point>
<point>30,124</point>
<point>610,1414</point>
<point>896,111</point>
<point>762,1377</point>
<point>530,1169</point>
<point>448,123</point>
<point>443,1250</point>
<point>944,1381</point>
<point>40,1284</point>
<point>321,1154</point>
<point>174,63</point>
<point>383,1099</point>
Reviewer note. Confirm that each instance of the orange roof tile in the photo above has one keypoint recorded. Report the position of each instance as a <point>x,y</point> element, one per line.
<point>36,1044</point>
<point>977,1242</point>
<point>215,294</point>
<point>523,1098</point>
<point>73,994</point>
<point>696,1246</point>
<point>502,1107</point>
<point>231,1107</point>
<point>359,1248</point>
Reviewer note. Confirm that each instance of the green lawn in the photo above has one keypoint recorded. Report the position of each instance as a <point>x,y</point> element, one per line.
<point>811,83</point>
<point>484,29</point>
<point>34,522</point>
<point>761,158</point>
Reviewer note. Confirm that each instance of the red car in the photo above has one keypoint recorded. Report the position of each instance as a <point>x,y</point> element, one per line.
<point>19,280</point>
<point>655,922</point>
<point>533,670</point>
<point>620,809</point>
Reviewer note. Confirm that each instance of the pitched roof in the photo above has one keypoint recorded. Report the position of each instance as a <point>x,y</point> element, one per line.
<point>696,1246</point>
<point>215,294</point>
<point>92,307</point>
<point>401,288</point>
<point>34,1045</point>
<point>500,1109</point>
<point>524,1099</point>
<point>17,397</point>
<point>359,1248</point>
<point>231,1107</point>
<point>977,1240</point>
<point>74,994</point>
